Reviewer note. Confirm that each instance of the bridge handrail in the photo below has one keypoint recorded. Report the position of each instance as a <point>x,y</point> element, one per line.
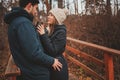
<point>110,50</point>
<point>108,56</point>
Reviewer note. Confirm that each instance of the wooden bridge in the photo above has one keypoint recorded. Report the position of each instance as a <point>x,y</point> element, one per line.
<point>106,63</point>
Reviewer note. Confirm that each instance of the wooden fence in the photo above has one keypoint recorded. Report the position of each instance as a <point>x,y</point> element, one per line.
<point>107,62</point>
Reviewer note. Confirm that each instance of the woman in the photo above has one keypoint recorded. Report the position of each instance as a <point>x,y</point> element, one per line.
<point>54,41</point>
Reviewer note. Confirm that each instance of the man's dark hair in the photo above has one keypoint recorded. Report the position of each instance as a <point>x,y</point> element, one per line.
<point>23,3</point>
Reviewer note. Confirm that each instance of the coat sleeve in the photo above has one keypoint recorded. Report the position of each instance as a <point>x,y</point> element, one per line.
<point>31,46</point>
<point>55,46</point>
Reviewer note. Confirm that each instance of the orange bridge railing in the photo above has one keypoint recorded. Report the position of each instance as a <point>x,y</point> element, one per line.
<point>107,61</point>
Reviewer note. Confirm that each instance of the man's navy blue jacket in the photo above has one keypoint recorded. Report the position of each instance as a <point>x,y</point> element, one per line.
<point>26,47</point>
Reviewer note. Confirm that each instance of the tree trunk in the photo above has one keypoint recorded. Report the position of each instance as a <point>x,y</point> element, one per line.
<point>108,8</point>
<point>4,49</point>
<point>76,6</point>
<point>109,24</point>
<point>94,11</point>
<point>117,6</point>
<point>68,4</point>
<point>63,3</point>
<point>60,3</point>
<point>48,6</point>
<point>86,6</point>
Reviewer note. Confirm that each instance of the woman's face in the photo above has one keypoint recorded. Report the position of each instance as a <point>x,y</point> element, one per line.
<point>51,19</point>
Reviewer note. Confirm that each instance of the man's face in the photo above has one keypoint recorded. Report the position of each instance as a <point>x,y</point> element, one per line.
<point>34,10</point>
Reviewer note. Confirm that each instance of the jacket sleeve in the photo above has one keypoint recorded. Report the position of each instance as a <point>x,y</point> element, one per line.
<point>56,46</point>
<point>31,46</point>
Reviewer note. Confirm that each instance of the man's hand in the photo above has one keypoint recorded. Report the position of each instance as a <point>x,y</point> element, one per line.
<point>57,65</point>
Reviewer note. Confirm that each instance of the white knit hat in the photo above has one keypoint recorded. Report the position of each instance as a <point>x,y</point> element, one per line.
<point>60,14</point>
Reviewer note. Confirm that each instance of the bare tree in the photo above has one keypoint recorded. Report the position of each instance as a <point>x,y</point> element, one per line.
<point>115,7</point>
<point>89,6</point>
<point>4,50</point>
<point>67,2</point>
<point>108,8</point>
<point>95,6</point>
<point>63,3</point>
<point>76,6</point>
<point>60,3</point>
<point>48,6</point>
<point>101,7</point>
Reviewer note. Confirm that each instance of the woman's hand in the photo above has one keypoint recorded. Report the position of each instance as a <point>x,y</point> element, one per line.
<point>41,29</point>
<point>57,65</point>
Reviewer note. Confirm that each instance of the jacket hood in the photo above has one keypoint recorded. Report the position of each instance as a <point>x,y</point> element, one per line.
<point>16,12</point>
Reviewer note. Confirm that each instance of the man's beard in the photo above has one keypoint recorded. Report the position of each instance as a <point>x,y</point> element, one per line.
<point>31,15</point>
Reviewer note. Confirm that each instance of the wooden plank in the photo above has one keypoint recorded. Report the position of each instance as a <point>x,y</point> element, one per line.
<point>109,67</point>
<point>87,69</point>
<point>11,69</point>
<point>111,51</point>
<point>85,56</point>
<point>11,78</point>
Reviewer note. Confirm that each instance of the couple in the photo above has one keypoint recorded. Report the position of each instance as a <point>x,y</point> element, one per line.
<point>37,52</point>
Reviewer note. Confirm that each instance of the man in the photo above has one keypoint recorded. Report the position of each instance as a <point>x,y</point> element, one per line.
<point>24,43</point>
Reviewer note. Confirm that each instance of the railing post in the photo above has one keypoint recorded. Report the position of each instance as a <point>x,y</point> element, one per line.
<point>12,78</point>
<point>109,69</point>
